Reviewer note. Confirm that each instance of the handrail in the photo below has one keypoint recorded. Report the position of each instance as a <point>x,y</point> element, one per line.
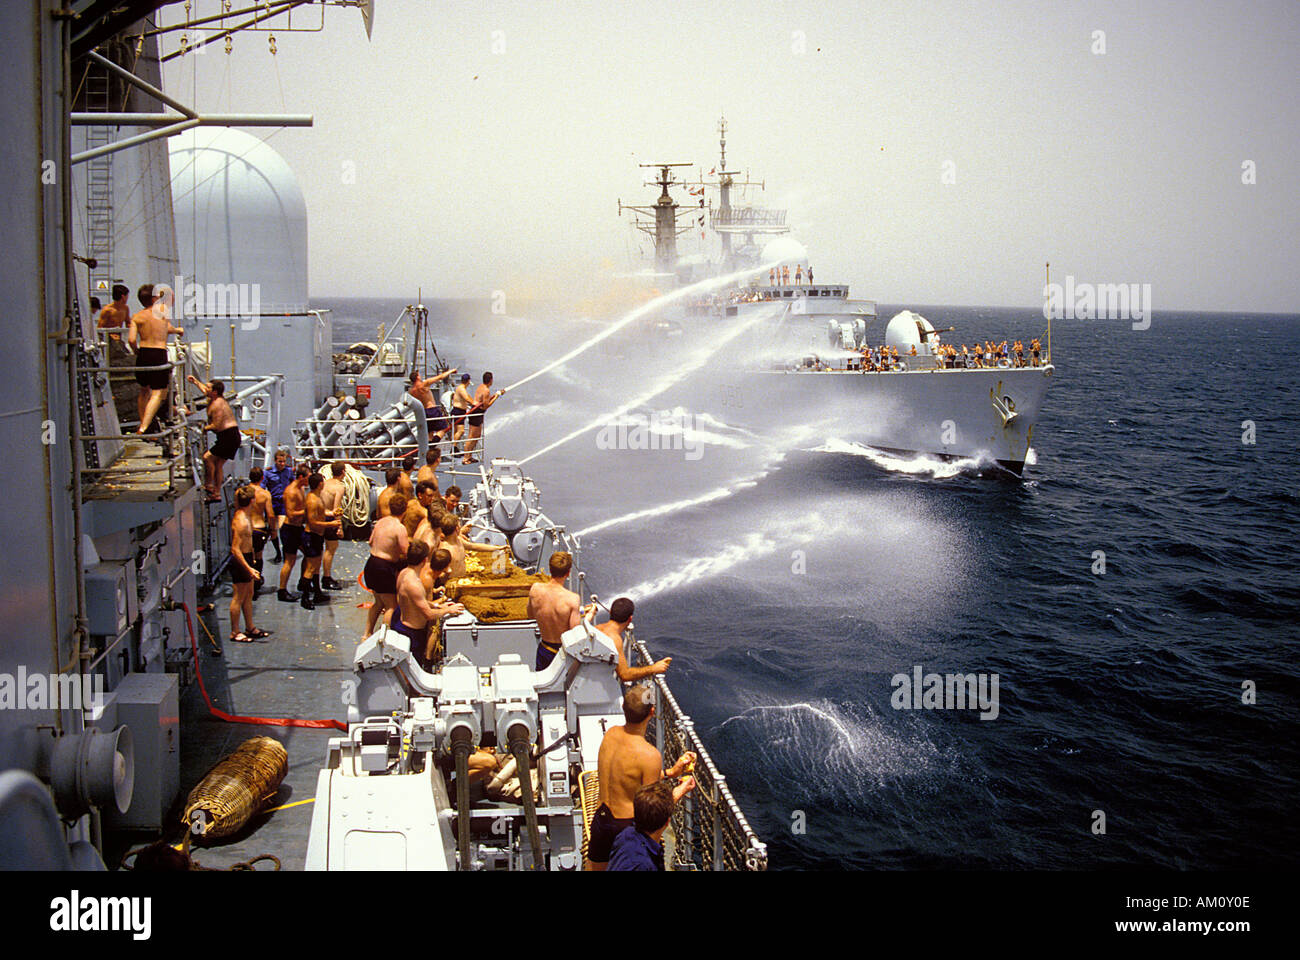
<point>709,828</point>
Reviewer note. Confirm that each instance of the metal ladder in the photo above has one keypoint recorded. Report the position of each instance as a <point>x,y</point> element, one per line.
<point>99,186</point>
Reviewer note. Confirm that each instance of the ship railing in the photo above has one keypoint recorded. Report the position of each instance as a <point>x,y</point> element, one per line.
<point>173,438</point>
<point>749,217</point>
<point>709,830</point>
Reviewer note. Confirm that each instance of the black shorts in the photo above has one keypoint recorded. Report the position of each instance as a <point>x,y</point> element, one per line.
<point>476,420</point>
<point>604,828</point>
<point>226,443</point>
<point>290,538</point>
<point>436,418</point>
<point>458,415</point>
<point>312,544</point>
<point>381,575</point>
<point>153,379</point>
<point>259,540</point>
<point>237,572</point>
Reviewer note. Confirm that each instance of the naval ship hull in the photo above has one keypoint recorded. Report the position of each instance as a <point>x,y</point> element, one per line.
<point>948,414</point>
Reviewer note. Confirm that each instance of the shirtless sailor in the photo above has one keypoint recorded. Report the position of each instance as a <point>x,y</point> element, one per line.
<point>626,762</point>
<point>388,546</point>
<point>242,572</point>
<point>295,510</point>
<point>222,422</point>
<point>415,613</point>
<point>555,607</point>
<point>620,618</point>
<point>316,527</point>
<point>148,335</point>
<point>331,497</point>
<point>457,545</point>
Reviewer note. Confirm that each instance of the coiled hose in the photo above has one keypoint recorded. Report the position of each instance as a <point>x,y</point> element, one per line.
<point>354,505</point>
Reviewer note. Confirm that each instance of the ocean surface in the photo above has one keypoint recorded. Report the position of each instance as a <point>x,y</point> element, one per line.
<point>791,573</point>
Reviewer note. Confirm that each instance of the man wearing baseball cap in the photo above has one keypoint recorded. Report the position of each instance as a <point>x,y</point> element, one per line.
<point>461,401</point>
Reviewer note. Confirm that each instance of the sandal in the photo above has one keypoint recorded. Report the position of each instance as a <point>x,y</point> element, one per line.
<point>240,638</point>
<point>257,633</point>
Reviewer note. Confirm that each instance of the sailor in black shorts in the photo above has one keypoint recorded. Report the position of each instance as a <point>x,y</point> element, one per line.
<point>604,828</point>
<point>226,443</point>
<point>312,544</point>
<point>153,379</point>
<point>381,575</point>
<point>237,572</point>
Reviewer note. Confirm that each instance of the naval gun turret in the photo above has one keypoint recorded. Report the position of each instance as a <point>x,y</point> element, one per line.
<point>396,791</point>
<point>383,800</point>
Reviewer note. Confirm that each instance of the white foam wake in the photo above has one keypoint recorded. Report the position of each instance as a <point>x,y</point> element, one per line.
<point>920,464</point>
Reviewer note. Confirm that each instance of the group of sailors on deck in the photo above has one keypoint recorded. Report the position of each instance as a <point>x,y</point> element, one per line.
<point>417,546</point>
<point>780,276</point>
<point>989,354</point>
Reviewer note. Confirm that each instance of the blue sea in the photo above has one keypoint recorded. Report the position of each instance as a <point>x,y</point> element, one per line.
<point>791,574</point>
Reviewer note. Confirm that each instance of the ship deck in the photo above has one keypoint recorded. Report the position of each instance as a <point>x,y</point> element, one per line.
<point>297,672</point>
<point>139,474</point>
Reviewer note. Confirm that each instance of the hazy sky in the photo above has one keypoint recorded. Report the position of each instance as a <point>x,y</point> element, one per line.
<point>491,141</point>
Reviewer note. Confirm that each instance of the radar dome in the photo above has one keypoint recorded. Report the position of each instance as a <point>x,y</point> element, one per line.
<point>240,216</point>
<point>906,330</point>
<point>785,250</point>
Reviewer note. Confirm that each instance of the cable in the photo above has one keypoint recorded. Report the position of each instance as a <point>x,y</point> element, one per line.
<point>230,718</point>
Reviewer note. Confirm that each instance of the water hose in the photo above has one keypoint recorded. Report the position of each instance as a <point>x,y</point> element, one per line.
<point>231,718</point>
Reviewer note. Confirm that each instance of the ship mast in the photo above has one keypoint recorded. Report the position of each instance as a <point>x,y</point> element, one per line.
<point>659,220</point>
<point>725,219</point>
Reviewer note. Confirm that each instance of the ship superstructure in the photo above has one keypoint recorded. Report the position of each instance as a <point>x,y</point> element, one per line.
<point>818,350</point>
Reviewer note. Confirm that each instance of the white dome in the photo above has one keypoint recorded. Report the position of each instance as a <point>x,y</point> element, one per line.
<point>240,216</point>
<point>785,251</point>
<point>905,331</point>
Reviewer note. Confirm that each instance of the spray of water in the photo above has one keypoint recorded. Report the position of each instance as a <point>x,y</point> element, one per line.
<point>759,543</point>
<point>703,286</point>
<point>676,376</point>
<point>837,751</point>
<point>718,493</point>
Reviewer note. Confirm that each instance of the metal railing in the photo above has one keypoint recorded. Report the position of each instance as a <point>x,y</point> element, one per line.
<point>709,830</point>
<point>174,438</point>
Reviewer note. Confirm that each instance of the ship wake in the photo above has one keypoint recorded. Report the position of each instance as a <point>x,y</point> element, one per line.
<point>914,465</point>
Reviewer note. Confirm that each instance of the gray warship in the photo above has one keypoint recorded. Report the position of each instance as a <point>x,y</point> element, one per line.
<point>810,349</point>
<point>119,547</point>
